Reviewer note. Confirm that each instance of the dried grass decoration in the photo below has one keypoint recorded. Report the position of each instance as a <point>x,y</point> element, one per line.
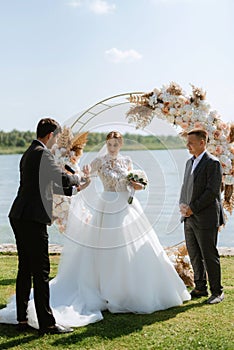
<point>179,257</point>
<point>78,142</point>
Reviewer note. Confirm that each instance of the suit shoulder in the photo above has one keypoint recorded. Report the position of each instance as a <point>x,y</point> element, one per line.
<point>214,164</point>
<point>212,158</point>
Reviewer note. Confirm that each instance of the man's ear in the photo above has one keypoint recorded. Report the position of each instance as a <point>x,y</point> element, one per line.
<point>51,134</point>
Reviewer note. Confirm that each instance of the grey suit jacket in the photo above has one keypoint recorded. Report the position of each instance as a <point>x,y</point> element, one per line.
<point>38,174</point>
<point>202,192</point>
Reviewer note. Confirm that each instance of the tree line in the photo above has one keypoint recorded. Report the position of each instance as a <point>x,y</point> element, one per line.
<point>20,140</point>
<point>16,138</point>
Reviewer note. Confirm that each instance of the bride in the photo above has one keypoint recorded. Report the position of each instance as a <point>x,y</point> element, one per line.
<point>115,261</point>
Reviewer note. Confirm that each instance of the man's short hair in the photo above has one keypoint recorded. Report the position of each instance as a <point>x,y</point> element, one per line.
<point>200,133</point>
<point>46,126</point>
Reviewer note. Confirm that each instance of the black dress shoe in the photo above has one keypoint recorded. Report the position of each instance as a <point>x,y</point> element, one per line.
<point>56,329</point>
<point>24,327</point>
<point>215,299</point>
<point>198,293</point>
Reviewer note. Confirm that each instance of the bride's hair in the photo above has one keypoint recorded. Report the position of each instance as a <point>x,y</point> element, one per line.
<point>115,135</point>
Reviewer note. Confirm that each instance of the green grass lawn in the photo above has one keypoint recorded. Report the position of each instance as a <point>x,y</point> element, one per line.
<point>194,325</point>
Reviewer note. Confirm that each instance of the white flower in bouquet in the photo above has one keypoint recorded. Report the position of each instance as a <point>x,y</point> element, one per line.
<point>138,176</point>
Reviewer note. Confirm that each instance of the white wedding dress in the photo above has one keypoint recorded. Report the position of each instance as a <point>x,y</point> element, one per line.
<point>115,262</point>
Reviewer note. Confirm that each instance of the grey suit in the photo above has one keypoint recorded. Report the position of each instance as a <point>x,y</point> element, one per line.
<point>201,191</point>
<point>30,214</point>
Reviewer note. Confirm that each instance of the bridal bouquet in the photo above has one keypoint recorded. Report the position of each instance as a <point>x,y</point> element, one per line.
<point>138,176</point>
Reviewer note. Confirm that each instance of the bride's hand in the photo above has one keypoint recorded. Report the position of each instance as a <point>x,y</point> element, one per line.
<point>86,170</point>
<point>85,184</point>
<point>137,185</point>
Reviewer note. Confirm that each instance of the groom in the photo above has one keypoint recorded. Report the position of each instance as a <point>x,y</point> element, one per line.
<point>202,214</point>
<point>29,216</point>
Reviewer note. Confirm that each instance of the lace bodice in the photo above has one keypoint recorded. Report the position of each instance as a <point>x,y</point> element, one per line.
<point>112,172</point>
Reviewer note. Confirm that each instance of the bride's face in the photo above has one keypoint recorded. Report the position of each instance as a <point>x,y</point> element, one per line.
<point>113,147</point>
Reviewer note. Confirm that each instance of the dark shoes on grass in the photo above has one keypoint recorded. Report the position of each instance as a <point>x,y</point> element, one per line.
<point>23,327</point>
<point>195,293</point>
<point>56,329</point>
<point>213,299</point>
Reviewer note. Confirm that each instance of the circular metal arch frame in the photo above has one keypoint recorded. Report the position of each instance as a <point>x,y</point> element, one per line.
<point>104,105</point>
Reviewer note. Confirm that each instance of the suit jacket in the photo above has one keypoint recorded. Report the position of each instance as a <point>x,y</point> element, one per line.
<point>202,192</point>
<point>38,174</point>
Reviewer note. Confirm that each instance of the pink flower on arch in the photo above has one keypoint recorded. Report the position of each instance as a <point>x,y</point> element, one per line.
<point>217,134</point>
<point>184,125</point>
<point>219,150</point>
<point>198,125</point>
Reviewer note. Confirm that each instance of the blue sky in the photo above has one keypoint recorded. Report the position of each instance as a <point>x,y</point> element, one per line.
<point>59,57</point>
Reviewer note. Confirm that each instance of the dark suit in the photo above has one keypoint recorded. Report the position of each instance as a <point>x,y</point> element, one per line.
<point>30,214</point>
<point>201,191</point>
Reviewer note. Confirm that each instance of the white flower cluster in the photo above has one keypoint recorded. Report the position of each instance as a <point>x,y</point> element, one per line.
<point>170,103</point>
<point>62,157</point>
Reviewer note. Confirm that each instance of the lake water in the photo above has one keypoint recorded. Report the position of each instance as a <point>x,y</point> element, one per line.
<point>164,169</point>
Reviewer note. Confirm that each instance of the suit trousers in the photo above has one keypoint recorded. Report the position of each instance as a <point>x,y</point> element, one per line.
<point>33,265</point>
<point>204,256</point>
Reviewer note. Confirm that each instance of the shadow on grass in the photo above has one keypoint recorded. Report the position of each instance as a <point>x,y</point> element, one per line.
<point>117,325</point>
<point>14,339</point>
<point>111,327</point>
<point>7,282</point>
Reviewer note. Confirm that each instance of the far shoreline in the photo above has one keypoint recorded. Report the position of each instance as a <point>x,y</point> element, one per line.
<point>125,148</point>
<point>56,249</point>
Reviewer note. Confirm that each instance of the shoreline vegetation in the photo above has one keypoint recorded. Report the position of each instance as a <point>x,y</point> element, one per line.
<point>16,142</point>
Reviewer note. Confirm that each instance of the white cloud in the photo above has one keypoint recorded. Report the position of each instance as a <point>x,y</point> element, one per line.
<point>101,7</point>
<point>75,3</point>
<point>118,56</point>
